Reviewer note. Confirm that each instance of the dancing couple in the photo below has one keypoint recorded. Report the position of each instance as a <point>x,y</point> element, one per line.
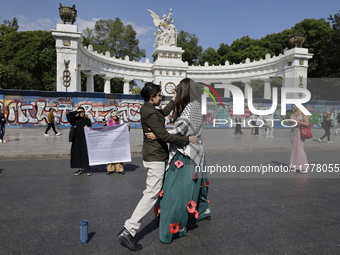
<point>171,177</point>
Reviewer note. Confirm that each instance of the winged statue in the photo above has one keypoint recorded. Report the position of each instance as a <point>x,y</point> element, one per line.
<point>166,33</point>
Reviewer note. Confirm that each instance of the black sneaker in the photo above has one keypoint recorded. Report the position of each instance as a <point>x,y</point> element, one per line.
<point>79,172</point>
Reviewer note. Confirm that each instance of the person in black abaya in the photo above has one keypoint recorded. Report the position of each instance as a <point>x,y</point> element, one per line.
<point>79,156</point>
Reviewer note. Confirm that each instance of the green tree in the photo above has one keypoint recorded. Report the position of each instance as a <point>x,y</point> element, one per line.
<point>12,23</point>
<point>318,42</point>
<point>211,56</point>
<point>189,43</point>
<point>117,38</point>
<point>334,52</point>
<point>136,91</point>
<point>28,55</point>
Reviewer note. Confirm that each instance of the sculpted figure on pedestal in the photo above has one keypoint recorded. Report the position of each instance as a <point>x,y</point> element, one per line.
<point>166,33</point>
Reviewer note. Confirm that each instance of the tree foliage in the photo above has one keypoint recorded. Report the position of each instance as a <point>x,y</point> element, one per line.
<point>117,38</point>
<point>189,43</point>
<point>27,58</point>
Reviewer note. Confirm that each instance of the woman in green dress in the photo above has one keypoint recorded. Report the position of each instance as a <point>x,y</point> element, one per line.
<point>185,188</point>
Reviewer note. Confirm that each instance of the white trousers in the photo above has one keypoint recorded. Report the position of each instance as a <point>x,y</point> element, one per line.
<point>154,182</point>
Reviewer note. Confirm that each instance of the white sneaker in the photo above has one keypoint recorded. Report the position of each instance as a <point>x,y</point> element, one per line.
<point>320,141</point>
<point>46,135</point>
<point>58,133</point>
<point>3,141</point>
<point>0,140</point>
<point>329,142</point>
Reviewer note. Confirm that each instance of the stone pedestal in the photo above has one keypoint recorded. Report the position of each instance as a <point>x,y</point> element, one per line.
<point>296,68</point>
<point>67,38</point>
<point>168,67</point>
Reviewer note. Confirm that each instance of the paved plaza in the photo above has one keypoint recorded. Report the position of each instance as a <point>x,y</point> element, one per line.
<point>30,143</point>
<point>42,202</point>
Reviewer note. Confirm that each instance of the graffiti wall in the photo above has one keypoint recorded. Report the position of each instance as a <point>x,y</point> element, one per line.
<point>30,108</point>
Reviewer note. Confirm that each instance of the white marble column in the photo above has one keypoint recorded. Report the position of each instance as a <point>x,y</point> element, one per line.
<point>267,89</point>
<point>90,83</point>
<point>246,86</point>
<point>107,84</point>
<point>79,79</point>
<point>126,89</point>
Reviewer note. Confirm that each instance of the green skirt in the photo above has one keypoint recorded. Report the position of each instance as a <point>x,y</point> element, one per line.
<point>182,199</point>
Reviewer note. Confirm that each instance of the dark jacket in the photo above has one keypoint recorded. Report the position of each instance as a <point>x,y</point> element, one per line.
<point>157,150</point>
<point>2,118</point>
<point>328,122</point>
<point>79,156</point>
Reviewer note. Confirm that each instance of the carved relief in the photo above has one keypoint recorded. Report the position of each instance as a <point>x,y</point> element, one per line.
<point>66,74</point>
<point>67,43</point>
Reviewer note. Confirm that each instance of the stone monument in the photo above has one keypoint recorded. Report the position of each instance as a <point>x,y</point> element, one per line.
<point>167,57</point>
<point>67,42</point>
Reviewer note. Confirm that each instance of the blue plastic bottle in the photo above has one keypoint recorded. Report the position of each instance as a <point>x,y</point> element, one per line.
<point>83,231</point>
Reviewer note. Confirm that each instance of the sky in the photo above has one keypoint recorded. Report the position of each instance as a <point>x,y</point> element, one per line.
<point>213,22</point>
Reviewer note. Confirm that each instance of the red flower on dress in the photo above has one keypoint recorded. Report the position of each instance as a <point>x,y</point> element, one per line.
<point>196,214</point>
<point>191,206</point>
<point>161,193</point>
<point>174,228</point>
<point>157,211</point>
<point>207,184</point>
<point>195,176</point>
<point>201,184</point>
<point>208,202</point>
<point>179,164</point>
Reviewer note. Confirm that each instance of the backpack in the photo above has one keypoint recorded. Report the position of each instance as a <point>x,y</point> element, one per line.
<point>323,123</point>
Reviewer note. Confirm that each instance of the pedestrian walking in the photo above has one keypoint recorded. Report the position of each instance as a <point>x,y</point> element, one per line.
<point>2,126</point>
<point>338,119</point>
<point>270,126</point>
<point>238,125</point>
<point>50,124</point>
<point>257,124</point>
<point>298,157</point>
<point>79,155</point>
<point>326,124</point>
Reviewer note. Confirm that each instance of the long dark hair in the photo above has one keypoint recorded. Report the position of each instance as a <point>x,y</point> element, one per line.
<point>187,91</point>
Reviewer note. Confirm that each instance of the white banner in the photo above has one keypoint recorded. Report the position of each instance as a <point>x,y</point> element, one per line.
<point>110,144</point>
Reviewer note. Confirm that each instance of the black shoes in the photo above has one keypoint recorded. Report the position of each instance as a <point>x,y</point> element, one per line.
<point>109,172</point>
<point>121,172</point>
<point>79,172</point>
<point>128,240</point>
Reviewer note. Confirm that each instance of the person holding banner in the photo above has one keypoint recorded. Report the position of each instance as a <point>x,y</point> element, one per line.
<point>118,167</point>
<point>155,154</point>
<point>79,156</point>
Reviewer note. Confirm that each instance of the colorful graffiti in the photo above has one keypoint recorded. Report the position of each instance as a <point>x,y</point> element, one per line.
<point>34,113</point>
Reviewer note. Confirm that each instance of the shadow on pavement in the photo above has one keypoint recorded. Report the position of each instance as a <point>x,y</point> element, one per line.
<point>91,235</point>
<point>153,225</point>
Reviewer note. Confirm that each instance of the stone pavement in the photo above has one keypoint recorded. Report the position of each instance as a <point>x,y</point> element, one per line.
<point>42,204</point>
<point>30,143</point>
